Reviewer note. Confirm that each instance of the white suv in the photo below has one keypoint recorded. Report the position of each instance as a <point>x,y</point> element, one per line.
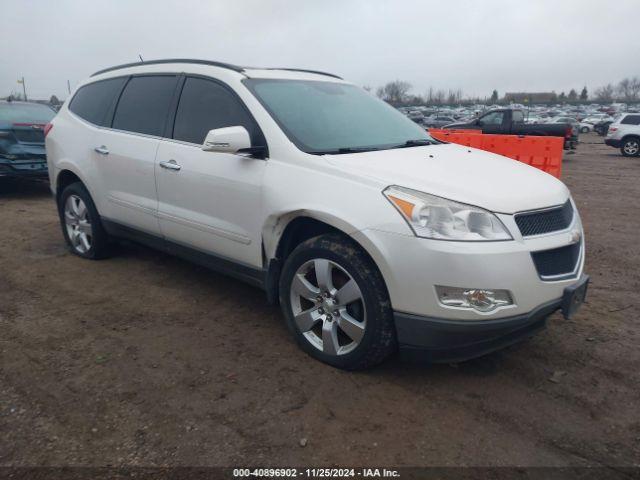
<point>624,133</point>
<point>369,233</point>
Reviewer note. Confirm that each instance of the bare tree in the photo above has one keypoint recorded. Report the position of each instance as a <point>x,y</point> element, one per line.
<point>395,92</point>
<point>605,93</point>
<point>573,95</point>
<point>628,89</point>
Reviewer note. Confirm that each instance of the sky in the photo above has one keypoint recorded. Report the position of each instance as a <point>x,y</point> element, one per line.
<point>473,45</point>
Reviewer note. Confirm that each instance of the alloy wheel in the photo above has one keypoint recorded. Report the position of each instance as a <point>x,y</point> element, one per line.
<point>78,224</point>
<point>631,147</point>
<point>328,306</point>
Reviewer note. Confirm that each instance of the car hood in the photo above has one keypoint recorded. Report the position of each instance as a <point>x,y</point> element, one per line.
<point>467,175</point>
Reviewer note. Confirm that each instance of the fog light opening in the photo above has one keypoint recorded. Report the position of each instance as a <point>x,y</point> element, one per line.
<point>479,299</point>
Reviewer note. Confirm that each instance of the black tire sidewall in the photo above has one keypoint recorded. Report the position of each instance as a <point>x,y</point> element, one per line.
<point>99,238</point>
<point>375,296</point>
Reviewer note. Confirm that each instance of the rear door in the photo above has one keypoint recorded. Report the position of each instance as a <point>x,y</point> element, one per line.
<point>210,201</point>
<point>125,153</point>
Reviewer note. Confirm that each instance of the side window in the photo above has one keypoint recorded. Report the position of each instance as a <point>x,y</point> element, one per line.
<point>631,120</point>
<point>144,104</point>
<point>205,105</point>
<point>517,117</point>
<point>93,101</point>
<point>493,118</point>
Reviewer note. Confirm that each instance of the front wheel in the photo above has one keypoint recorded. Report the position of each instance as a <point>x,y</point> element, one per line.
<point>336,303</point>
<point>584,130</point>
<point>631,147</point>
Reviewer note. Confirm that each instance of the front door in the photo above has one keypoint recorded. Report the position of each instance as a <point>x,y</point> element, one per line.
<point>207,200</point>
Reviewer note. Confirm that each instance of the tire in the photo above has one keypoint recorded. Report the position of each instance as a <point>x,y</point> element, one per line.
<point>369,336</point>
<point>584,130</point>
<point>630,147</point>
<point>80,222</point>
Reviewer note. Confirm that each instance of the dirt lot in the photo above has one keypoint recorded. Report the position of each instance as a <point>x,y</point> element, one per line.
<point>144,359</point>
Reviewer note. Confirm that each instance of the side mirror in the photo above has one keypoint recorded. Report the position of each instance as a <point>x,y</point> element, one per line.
<point>228,140</point>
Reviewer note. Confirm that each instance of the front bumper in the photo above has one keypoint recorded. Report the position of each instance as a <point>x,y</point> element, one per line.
<point>35,167</point>
<point>440,340</point>
<point>612,142</point>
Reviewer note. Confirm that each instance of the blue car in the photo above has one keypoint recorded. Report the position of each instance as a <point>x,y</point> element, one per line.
<point>22,127</point>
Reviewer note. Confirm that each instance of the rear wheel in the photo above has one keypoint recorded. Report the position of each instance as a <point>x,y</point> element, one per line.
<point>336,303</point>
<point>81,226</point>
<point>584,130</point>
<point>630,147</point>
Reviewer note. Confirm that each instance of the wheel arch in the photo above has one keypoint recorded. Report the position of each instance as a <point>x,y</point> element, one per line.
<point>629,136</point>
<point>66,175</point>
<point>282,234</point>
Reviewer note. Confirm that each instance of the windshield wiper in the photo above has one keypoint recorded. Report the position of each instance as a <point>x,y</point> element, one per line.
<point>342,150</point>
<point>414,143</point>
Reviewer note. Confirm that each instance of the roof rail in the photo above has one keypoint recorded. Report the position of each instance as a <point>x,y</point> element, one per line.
<point>318,72</point>
<point>229,66</point>
<point>172,60</point>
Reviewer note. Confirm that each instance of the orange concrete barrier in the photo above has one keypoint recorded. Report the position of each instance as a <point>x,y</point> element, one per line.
<point>544,153</point>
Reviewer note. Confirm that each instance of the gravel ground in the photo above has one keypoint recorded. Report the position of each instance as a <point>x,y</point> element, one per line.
<point>144,359</point>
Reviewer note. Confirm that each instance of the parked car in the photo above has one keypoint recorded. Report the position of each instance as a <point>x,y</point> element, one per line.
<point>601,128</point>
<point>369,233</point>
<point>437,121</point>
<point>22,152</point>
<point>624,133</point>
<point>586,127</point>
<point>416,116</point>
<point>508,121</point>
<point>598,117</point>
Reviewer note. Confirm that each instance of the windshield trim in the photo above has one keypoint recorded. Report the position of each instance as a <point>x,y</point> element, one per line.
<point>249,83</point>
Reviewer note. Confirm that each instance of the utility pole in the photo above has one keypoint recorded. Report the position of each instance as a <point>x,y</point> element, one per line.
<point>68,87</point>
<point>24,88</point>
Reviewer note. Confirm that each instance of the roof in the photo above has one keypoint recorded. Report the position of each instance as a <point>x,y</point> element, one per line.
<point>235,68</point>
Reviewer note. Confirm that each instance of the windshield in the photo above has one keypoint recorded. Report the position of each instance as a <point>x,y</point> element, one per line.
<point>327,117</point>
<point>25,113</point>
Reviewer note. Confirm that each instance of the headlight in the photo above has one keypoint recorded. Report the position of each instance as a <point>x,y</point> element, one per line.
<point>438,218</point>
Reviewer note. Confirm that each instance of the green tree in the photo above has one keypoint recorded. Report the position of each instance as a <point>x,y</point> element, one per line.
<point>494,96</point>
<point>584,95</point>
<point>562,97</point>
<point>573,95</point>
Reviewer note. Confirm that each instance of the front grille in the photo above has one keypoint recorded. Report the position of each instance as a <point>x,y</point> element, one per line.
<point>557,261</point>
<point>29,136</point>
<point>545,221</point>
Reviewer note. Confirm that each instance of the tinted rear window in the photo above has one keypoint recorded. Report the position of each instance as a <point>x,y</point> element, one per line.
<point>205,105</point>
<point>11,112</point>
<point>631,120</point>
<point>144,104</point>
<point>92,102</point>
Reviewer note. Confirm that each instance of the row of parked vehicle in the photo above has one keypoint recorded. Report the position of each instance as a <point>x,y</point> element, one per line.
<point>583,119</point>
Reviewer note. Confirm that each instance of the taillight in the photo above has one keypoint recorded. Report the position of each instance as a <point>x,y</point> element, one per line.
<point>47,129</point>
<point>613,129</point>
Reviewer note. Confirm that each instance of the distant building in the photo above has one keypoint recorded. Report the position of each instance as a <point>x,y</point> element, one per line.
<point>530,97</point>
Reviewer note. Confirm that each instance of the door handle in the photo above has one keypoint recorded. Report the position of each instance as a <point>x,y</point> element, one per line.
<point>170,165</point>
<point>102,150</point>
